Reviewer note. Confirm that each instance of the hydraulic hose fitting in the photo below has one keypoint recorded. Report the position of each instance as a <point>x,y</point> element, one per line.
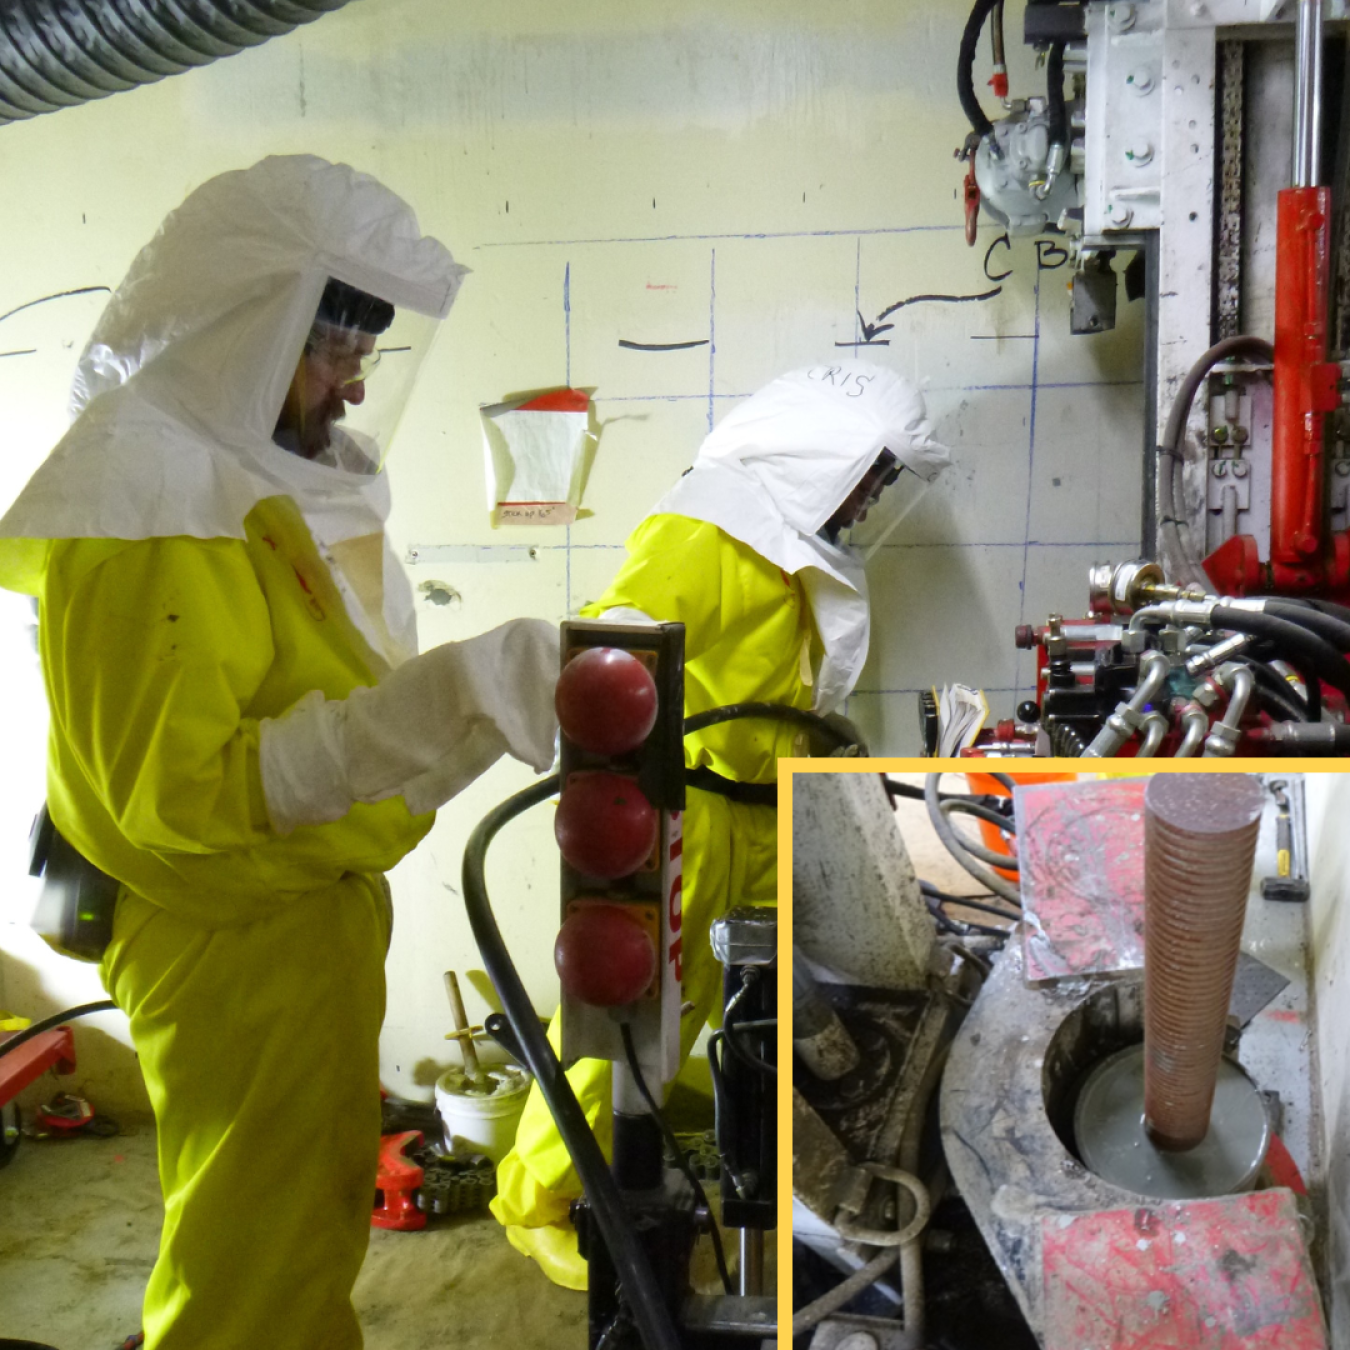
<point>1194,723</point>
<point>1195,611</point>
<point>1129,716</point>
<point>1318,738</point>
<point>1154,728</point>
<point>1215,656</point>
<point>1226,732</point>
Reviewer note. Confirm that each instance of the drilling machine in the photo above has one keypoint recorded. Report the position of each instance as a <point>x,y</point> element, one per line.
<point>1163,134</point>
<point>619,955</point>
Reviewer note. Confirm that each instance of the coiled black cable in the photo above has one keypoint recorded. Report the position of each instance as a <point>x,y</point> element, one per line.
<point>996,818</point>
<point>957,847</point>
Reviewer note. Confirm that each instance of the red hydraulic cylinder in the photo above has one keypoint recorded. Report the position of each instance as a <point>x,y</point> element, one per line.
<point>1306,388</point>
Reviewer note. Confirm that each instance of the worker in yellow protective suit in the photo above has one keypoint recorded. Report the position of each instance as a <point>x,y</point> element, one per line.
<point>242,735</point>
<point>759,552</point>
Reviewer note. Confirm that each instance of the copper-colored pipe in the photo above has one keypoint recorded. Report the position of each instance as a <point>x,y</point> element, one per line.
<point>1199,840</point>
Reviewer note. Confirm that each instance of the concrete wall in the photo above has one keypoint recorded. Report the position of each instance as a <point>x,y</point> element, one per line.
<point>761,179</point>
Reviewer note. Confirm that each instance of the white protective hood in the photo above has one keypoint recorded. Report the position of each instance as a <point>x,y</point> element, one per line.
<point>177,393</point>
<point>777,467</point>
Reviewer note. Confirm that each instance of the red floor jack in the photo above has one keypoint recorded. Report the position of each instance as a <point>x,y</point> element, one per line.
<point>23,1065</point>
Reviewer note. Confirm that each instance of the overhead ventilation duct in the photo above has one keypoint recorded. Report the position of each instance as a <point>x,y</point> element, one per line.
<point>58,53</point>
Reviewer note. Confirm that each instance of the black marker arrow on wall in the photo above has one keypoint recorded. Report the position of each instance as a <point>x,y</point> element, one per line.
<point>872,330</point>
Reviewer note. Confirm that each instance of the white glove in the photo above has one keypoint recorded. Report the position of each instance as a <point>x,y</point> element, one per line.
<point>426,731</point>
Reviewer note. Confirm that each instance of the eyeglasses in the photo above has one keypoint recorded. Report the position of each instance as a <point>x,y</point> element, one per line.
<point>348,363</point>
<point>880,476</point>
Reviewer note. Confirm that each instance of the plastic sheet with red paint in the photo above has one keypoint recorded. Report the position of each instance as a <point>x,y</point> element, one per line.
<point>1081,850</point>
<point>1226,1274</point>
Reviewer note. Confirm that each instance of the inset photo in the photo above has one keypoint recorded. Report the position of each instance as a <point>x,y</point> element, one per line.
<point>1067,1070</point>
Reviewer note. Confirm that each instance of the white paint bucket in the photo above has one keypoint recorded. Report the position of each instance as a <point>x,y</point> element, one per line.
<point>482,1118</point>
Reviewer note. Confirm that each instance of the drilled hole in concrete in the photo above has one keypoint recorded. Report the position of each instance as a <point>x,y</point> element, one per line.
<point>1108,1020</point>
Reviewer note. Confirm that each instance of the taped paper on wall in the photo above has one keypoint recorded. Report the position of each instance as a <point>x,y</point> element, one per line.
<point>536,452</point>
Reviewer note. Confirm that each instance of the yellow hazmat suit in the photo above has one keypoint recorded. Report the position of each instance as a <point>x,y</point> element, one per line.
<point>748,638</point>
<point>239,721</point>
<point>251,964</point>
<point>743,551</point>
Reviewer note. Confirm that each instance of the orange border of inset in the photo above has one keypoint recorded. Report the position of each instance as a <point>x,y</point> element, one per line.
<point>911,764</point>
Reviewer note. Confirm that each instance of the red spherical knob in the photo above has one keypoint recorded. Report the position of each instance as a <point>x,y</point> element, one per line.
<point>604,826</point>
<point>604,956</point>
<point>606,701</point>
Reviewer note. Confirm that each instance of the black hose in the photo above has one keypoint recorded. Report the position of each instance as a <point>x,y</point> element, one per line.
<point>781,712</point>
<point>1057,115</point>
<point>1325,606</point>
<point>1308,651</point>
<point>1170,449</point>
<point>933,893</point>
<point>630,1261</point>
<point>960,927</point>
<point>965,69</point>
<point>55,1020</point>
<point>1274,690</point>
<point>724,1116</point>
<point>897,789</point>
<point>1336,631</point>
<point>954,845</point>
<point>995,818</point>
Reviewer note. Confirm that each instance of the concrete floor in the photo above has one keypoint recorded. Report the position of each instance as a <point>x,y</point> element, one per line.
<point>79,1230</point>
<point>79,1227</point>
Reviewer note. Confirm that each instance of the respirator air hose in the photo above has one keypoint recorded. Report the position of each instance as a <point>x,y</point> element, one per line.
<point>780,712</point>
<point>54,1021</point>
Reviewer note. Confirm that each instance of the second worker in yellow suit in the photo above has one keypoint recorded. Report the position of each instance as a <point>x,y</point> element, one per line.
<point>759,552</point>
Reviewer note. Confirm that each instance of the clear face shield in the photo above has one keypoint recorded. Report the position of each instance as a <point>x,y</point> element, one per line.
<point>353,380</point>
<point>885,495</point>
